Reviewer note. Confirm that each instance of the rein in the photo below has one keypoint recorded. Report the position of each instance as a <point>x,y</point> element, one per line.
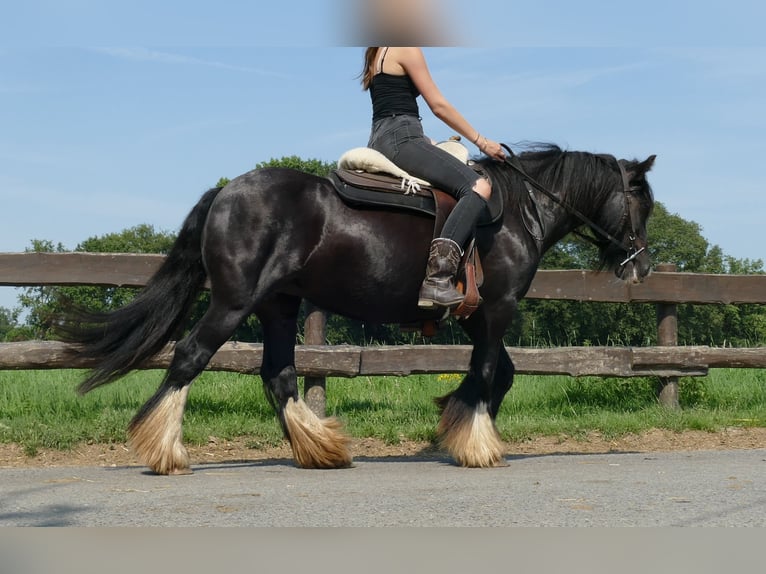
<point>513,161</point>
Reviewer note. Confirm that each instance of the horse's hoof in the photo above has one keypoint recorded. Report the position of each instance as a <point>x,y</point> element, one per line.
<point>469,435</point>
<point>316,443</point>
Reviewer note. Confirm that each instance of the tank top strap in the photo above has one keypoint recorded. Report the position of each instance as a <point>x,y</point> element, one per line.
<point>382,58</point>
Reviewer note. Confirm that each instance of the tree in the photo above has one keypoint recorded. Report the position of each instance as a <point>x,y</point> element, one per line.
<point>678,241</point>
<point>44,303</point>
<point>313,166</point>
<point>8,323</point>
<point>672,239</point>
<point>10,328</point>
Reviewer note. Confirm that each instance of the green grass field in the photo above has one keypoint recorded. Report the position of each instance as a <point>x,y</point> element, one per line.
<point>40,409</point>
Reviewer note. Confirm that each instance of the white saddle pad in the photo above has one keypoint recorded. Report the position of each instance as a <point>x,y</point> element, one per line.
<point>372,161</point>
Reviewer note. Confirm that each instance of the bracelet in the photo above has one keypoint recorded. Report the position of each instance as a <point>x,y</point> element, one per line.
<point>476,141</point>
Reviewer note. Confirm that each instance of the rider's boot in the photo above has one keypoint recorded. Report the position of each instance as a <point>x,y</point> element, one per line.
<point>438,289</point>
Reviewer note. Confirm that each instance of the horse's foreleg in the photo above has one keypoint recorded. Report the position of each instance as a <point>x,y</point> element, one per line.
<point>316,443</point>
<point>467,428</point>
<point>502,382</point>
<point>156,432</point>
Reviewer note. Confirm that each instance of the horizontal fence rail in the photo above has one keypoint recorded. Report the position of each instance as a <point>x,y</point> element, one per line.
<point>664,288</point>
<point>353,361</point>
<point>133,270</point>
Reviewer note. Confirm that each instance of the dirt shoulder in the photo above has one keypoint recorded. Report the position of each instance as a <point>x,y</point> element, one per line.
<point>222,451</point>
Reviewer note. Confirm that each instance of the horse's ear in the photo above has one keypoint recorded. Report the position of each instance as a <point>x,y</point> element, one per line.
<point>645,165</point>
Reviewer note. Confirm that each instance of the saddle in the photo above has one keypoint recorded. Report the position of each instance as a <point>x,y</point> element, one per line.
<point>365,178</point>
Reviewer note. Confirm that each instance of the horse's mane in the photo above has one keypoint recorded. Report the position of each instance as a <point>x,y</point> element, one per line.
<point>573,174</point>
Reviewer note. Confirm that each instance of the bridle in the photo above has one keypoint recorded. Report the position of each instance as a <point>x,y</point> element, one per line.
<point>631,251</point>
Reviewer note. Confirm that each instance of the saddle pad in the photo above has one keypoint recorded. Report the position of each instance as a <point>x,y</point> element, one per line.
<point>372,161</point>
<point>369,160</point>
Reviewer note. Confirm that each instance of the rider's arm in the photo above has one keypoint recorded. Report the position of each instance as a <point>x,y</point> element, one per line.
<point>413,62</point>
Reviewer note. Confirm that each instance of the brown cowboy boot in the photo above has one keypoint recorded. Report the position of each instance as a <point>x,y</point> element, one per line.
<point>438,288</point>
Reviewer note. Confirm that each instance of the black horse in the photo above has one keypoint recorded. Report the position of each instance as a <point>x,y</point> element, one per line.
<point>273,237</point>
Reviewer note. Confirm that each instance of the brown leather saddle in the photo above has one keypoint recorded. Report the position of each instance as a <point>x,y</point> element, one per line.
<point>383,191</point>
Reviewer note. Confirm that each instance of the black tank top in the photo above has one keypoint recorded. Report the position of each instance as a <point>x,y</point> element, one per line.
<point>393,95</point>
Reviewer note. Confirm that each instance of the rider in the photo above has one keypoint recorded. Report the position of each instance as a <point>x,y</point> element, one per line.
<point>396,76</point>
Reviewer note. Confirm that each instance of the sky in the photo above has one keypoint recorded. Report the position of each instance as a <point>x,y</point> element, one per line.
<point>119,114</point>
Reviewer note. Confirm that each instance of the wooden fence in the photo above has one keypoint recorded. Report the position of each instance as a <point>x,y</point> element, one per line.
<point>665,288</point>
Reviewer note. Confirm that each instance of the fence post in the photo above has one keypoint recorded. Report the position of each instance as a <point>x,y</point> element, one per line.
<point>667,336</point>
<point>315,333</point>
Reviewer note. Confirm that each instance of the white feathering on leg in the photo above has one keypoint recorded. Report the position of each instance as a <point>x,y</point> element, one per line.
<point>316,443</point>
<point>157,437</point>
<point>470,437</point>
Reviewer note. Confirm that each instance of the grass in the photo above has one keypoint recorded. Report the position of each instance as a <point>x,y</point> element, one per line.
<point>40,409</point>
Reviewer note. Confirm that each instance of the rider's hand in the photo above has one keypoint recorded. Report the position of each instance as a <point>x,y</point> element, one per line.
<point>491,148</point>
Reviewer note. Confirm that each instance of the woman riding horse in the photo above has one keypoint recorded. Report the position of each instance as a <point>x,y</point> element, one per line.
<point>273,238</point>
<point>395,77</point>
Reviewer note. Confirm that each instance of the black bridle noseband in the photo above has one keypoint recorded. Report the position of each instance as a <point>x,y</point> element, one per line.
<point>631,251</point>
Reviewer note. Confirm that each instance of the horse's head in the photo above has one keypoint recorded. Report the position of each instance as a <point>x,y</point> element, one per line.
<point>630,205</point>
<point>610,196</point>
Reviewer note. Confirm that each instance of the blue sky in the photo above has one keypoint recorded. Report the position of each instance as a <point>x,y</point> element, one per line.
<point>112,116</point>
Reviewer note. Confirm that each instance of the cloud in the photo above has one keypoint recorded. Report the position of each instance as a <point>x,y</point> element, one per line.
<point>156,56</point>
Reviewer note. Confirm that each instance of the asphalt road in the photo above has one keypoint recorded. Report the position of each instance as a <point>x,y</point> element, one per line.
<point>708,488</point>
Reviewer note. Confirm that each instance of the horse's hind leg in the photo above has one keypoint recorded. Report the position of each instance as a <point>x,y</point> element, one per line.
<point>156,431</point>
<point>316,443</point>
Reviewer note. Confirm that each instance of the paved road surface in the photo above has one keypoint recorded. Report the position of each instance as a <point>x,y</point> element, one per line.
<point>709,488</point>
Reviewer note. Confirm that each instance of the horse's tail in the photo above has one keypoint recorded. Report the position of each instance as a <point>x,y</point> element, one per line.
<point>120,340</point>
